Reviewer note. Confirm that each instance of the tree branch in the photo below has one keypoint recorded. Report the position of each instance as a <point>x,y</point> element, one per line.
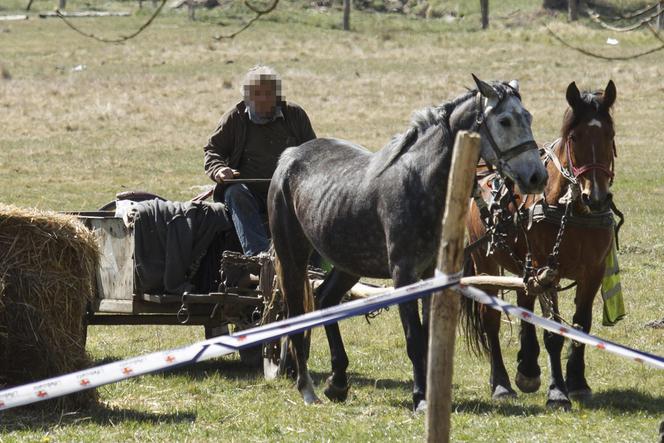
<point>629,15</point>
<point>259,14</point>
<point>594,16</point>
<point>119,39</point>
<point>600,56</point>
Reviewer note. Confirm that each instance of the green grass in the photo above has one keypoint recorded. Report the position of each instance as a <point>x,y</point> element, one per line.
<point>138,116</point>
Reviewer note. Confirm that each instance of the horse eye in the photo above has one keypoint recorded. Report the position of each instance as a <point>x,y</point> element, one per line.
<point>505,122</point>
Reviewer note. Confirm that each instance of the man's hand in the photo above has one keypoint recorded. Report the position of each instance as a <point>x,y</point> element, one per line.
<point>225,173</point>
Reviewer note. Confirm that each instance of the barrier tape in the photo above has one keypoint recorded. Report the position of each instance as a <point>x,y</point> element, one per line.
<point>212,348</point>
<point>557,328</point>
<point>219,346</point>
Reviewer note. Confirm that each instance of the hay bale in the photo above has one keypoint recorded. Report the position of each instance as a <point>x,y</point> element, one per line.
<point>47,275</point>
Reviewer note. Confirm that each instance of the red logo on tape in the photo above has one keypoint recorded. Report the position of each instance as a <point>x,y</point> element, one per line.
<point>42,394</point>
<point>127,371</point>
<point>84,382</point>
<point>170,359</point>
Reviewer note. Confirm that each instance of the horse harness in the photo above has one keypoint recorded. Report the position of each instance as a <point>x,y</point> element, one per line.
<point>502,216</point>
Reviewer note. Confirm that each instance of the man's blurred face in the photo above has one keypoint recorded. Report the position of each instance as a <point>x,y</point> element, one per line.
<point>263,96</point>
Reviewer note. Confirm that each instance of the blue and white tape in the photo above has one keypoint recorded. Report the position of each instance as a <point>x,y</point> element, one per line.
<point>219,346</point>
<point>557,328</point>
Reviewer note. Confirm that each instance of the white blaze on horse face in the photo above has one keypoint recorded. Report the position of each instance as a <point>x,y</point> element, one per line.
<point>595,122</point>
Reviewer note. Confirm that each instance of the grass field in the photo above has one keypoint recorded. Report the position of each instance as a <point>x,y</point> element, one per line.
<point>137,115</point>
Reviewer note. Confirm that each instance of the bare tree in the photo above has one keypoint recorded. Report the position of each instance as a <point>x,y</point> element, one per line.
<point>484,7</point>
<point>573,10</point>
<point>554,4</point>
<point>346,15</point>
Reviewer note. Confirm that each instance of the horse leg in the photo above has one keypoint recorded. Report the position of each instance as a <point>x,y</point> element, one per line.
<point>426,316</point>
<point>528,370</point>
<point>501,387</point>
<point>557,394</point>
<point>415,339</point>
<point>293,250</point>
<point>330,293</point>
<point>585,294</point>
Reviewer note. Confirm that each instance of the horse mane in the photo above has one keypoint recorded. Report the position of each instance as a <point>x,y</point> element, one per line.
<point>593,107</point>
<point>423,119</point>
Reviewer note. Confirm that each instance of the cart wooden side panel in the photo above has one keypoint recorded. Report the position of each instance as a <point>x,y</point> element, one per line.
<point>115,274</point>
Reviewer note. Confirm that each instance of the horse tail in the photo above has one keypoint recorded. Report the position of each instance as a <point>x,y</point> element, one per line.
<point>279,296</point>
<point>308,299</point>
<point>471,320</point>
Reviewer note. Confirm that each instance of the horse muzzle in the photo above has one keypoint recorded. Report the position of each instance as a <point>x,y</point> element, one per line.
<point>597,203</point>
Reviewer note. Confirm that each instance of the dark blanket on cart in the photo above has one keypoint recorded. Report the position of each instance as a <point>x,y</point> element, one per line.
<point>171,240</point>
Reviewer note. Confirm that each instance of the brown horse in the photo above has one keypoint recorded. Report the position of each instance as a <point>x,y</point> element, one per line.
<point>580,168</point>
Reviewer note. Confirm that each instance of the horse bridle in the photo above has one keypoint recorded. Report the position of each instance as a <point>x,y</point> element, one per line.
<point>574,172</point>
<point>502,156</point>
<point>577,172</point>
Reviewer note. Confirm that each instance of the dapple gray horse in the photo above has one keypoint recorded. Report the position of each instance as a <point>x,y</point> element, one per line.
<point>379,214</point>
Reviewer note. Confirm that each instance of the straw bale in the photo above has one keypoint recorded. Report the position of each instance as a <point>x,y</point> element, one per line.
<point>47,276</point>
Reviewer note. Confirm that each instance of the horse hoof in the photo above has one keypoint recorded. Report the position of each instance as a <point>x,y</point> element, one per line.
<point>527,384</point>
<point>503,393</point>
<point>421,407</point>
<point>311,399</point>
<point>581,395</point>
<point>336,393</point>
<point>558,400</point>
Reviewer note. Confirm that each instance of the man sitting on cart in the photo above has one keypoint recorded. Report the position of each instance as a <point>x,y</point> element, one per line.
<point>246,144</point>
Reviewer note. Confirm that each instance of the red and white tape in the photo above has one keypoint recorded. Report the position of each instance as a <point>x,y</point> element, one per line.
<point>219,346</point>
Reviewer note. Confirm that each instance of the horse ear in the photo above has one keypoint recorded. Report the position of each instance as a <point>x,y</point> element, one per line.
<point>574,97</point>
<point>485,89</point>
<point>609,95</point>
<point>514,84</point>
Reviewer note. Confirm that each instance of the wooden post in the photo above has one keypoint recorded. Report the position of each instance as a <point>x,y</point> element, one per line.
<point>445,306</point>
<point>660,10</point>
<point>484,7</point>
<point>62,4</point>
<point>346,15</point>
<point>573,10</point>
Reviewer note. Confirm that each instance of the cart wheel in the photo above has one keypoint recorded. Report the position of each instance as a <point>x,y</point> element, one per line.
<point>212,331</point>
<point>252,357</point>
<point>276,358</point>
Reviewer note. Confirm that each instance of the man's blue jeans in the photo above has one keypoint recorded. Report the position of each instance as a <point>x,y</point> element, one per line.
<point>247,210</point>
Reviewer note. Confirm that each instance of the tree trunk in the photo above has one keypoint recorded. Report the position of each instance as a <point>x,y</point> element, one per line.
<point>62,4</point>
<point>484,7</point>
<point>346,15</point>
<point>192,9</point>
<point>660,19</point>
<point>554,4</point>
<point>573,10</point>
<point>27,8</point>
